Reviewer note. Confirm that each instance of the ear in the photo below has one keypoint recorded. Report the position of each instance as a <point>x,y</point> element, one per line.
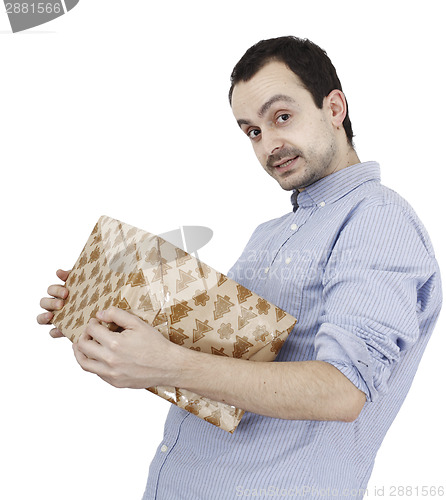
<point>336,106</point>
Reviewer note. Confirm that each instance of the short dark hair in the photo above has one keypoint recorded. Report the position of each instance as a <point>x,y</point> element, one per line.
<point>306,59</point>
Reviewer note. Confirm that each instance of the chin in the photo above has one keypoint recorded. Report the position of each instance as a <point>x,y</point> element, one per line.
<point>291,183</point>
<point>288,187</point>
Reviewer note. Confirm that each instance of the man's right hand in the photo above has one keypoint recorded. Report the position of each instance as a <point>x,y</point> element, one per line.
<point>54,303</point>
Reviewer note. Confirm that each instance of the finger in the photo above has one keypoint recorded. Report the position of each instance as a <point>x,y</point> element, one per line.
<point>89,347</point>
<point>58,291</point>
<point>44,318</point>
<point>55,333</point>
<point>51,304</point>
<point>63,275</point>
<point>87,364</point>
<point>98,332</point>
<point>122,318</point>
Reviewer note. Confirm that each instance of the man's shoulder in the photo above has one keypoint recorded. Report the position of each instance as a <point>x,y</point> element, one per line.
<point>382,198</point>
<point>375,194</point>
<point>379,202</point>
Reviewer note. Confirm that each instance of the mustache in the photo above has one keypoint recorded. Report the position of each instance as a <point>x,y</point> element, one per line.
<point>281,155</point>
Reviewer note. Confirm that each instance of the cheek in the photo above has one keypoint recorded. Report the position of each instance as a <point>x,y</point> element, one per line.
<point>316,136</point>
<point>259,154</point>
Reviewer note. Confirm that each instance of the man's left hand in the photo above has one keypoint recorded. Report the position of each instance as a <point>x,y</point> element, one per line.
<point>138,357</point>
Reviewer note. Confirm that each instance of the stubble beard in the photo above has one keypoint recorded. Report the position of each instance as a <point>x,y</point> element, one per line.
<point>316,166</point>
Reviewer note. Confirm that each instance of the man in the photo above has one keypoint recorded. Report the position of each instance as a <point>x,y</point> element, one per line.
<point>351,261</point>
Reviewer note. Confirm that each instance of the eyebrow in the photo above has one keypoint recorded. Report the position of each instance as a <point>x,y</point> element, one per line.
<point>275,98</point>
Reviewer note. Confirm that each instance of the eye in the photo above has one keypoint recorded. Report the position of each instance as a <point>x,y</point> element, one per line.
<point>253,133</point>
<point>283,117</point>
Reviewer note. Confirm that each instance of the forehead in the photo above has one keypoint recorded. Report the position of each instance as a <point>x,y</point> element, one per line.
<point>275,78</point>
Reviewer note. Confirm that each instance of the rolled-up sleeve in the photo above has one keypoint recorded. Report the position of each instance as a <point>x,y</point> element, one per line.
<point>378,284</point>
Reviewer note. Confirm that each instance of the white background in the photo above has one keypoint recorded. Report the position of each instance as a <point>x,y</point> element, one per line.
<point>120,108</point>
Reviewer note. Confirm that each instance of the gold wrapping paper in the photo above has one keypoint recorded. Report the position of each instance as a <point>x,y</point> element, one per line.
<point>187,301</point>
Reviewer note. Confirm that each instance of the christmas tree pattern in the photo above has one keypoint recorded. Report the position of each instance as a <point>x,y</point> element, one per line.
<point>221,306</point>
<point>137,278</point>
<point>131,232</point>
<point>221,279</point>
<point>219,352</point>
<point>243,294</point>
<point>241,346</point>
<point>210,319</point>
<point>97,239</point>
<point>182,257</point>
<point>94,297</point>
<point>79,321</point>
<point>179,311</point>
<point>177,336</point>
<point>145,303</point>
<point>161,270</point>
<point>120,283</point>
<point>95,254</point>
<point>203,270</point>
<point>95,270</point>
<point>83,259</point>
<point>81,278</point>
<point>185,280</point>
<point>280,313</point>
<point>121,302</point>
<point>214,417</point>
<point>85,290</point>
<point>202,328</point>
<point>83,303</point>
<point>94,312</point>
<point>245,317</point>
<point>107,289</point>
<point>160,319</point>
<point>108,302</point>
<point>193,407</point>
<point>99,279</point>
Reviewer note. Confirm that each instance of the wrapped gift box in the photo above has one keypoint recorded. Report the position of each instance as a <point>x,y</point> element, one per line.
<point>187,301</point>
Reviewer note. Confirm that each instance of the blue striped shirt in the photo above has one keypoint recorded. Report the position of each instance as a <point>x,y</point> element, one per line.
<point>353,263</point>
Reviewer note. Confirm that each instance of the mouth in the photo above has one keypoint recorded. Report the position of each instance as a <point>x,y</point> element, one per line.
<point>286,165</point>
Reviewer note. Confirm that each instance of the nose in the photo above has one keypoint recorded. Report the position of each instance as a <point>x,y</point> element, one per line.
<point>271,141</point>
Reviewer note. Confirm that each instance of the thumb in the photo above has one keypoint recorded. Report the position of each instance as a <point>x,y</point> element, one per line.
<point>122,318</point>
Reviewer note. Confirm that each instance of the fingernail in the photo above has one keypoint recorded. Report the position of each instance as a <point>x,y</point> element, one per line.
<point>100,314</point>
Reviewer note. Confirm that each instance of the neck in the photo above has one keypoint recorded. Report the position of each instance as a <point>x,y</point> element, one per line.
<point>344,160</point>
<point>352,158</point>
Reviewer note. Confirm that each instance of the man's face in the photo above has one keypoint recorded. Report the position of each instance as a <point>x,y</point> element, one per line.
<point>293,139</point>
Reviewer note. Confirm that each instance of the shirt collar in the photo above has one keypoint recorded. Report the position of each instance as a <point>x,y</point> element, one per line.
<point>333,187</point>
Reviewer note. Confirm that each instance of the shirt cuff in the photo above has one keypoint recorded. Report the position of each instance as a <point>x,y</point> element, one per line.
<point>350,356</point>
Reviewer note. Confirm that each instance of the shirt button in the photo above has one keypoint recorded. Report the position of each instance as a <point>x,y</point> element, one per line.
<point>164,448</point>
<point>266,270</point>
<point>287,260</point>
<point>322,204</point>
<point>293,227</point>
